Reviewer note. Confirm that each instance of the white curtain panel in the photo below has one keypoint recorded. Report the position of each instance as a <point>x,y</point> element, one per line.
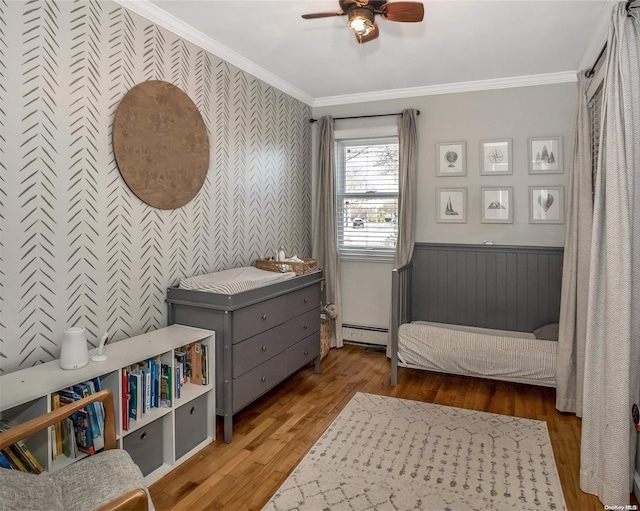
<point>612,355</point>
<point>575,267</point>
<point>325,236</point>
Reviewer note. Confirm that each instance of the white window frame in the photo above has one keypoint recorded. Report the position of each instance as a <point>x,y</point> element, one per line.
<point>359,253</point>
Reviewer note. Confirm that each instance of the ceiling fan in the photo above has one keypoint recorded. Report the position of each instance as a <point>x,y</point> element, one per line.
<point>362,13</point>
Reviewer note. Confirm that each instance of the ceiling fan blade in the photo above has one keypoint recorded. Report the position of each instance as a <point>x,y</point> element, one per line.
<point>322,15</point>
<point>370,36</point>
<point>406,12</point>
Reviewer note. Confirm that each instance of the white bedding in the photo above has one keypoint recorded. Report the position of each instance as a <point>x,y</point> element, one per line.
<point>472,351</point>
<point>235,280</point>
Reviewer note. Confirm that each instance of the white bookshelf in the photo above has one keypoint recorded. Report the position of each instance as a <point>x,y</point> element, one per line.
<point>158,434</point>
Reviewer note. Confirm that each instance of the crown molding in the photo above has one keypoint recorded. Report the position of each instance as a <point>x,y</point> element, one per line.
<point>450,88</point>
<point>168,21</point>
<point>598,37</point>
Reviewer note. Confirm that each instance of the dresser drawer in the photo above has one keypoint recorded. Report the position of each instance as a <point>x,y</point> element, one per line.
<point>254,351</point>
<point>302,326</point>
<point>256,382</point>
<point>191,425</point>
<point>303,300</point>
<point>301,353</point>
<point>259,317</point>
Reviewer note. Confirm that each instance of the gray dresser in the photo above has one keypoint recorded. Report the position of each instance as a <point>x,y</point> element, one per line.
<point>262,336</point>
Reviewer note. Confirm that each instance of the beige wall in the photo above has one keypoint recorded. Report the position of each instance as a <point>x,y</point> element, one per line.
<point>517,113</point>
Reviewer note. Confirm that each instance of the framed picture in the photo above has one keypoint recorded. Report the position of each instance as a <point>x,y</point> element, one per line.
<point>497,205</point>
<point>546,204</point>
<point>545,155</point>
<point>496,157</point>
<point>451,205</point>
<point>451,159</point>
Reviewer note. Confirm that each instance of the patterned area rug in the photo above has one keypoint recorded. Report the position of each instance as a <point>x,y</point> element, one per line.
<point>385,453</point>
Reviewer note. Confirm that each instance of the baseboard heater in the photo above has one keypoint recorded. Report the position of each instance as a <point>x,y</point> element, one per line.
<point>365,334</point>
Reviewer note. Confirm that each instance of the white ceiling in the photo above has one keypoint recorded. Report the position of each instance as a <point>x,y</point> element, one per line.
<point>486,42</point>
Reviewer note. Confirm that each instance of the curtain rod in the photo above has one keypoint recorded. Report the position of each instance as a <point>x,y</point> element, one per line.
<point>590,72</point>
<point>362,116</point>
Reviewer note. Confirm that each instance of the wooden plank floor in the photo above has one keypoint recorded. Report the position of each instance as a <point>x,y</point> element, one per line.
<point>273,434</point>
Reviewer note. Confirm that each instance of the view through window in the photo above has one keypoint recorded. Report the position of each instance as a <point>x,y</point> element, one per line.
<point>367,196</point>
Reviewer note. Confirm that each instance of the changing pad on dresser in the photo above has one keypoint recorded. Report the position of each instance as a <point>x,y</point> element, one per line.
<point>235,280</point>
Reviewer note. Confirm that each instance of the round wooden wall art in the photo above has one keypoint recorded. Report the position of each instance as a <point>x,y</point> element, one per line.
<point>161,144</point>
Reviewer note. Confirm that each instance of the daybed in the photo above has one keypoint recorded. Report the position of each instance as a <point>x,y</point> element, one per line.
<point>509,355</point>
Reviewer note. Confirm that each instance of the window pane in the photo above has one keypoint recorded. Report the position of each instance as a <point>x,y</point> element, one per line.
<point>370,223</point>
<point>371,168</point>
<point>367,199</point>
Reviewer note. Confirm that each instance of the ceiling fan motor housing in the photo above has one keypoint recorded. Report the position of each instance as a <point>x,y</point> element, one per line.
<point>375,5</point>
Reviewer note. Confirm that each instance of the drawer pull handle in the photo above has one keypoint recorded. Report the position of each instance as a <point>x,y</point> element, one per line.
<point>264,316</point>
<point>264,348</point>
<point>305,326</point>
<point>305,352</point>
<point>192,411</point>
<point>263,379</point>
<point>305,300</point>
<point>143,435</point>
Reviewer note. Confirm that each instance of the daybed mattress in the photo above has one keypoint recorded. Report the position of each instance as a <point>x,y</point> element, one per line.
<point>235,280</point>
<point>472,351</point>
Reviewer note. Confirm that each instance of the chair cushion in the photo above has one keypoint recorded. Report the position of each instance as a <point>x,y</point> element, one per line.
<point>96,480</point>
<point>20,491</point>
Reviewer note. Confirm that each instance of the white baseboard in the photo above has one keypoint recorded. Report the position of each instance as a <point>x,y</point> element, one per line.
<point>364,335</point>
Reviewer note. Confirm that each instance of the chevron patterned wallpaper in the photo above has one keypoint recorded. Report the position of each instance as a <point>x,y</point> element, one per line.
<point>76,246</point>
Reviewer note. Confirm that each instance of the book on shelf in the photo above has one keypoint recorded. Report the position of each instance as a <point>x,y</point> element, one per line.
<point>177,370</point>
<point>146,386</point>
<point>57,429</point>
<point>15,461</point>
<point>84,438</point>
<point>205,364</point>
<point>20,453</point>
<point>166,385</point>
<point>136,390</point>
<point>181,359</point>
<point>69,444</point>
<point>4,461</point>
<point>93,413</point>
<point>194,363</point>
<point>124,399</point>
<point>155,364</point>
<point>133,399</point>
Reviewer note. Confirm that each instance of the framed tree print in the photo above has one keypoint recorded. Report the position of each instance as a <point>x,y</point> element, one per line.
<point>451,159</point>
<point>451,205</point>
<point>545,155</point>
<point>546,204</point>
<point>495,157</point>
<point>497,205</point>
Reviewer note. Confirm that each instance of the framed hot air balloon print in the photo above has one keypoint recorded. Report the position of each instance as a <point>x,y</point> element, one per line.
<point>546,204</point>
<point>545,155</point>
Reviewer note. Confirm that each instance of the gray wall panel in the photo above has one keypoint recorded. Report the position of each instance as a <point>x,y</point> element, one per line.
<point>509,288</point>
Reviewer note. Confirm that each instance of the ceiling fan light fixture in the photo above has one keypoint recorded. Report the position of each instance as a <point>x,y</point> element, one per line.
<point>361,21</point>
